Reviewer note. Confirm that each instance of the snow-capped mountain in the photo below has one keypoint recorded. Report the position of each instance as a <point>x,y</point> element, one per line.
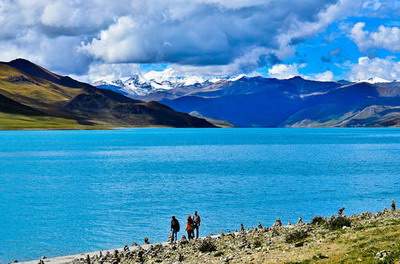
<point>139,85</point>
<point>374,80</point>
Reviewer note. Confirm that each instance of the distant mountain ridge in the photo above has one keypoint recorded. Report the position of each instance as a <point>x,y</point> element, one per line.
<point>295,102</point>
<point>139,85</point>
<point>33,97</point>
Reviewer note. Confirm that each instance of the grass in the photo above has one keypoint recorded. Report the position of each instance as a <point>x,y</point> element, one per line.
<point>358,245</point>
<point>364,245</point>
<point>41,95</point>
<point>17,122</point>
<point>36,93</point>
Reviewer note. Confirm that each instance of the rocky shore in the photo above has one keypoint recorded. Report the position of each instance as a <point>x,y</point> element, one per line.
<point>362,238</point>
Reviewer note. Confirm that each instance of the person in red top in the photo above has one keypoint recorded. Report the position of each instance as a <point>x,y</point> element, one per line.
<point>190,227</point>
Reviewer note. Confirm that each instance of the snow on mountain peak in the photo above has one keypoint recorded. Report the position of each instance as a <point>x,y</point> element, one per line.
<point>375,80</point>
<point>141,84</point>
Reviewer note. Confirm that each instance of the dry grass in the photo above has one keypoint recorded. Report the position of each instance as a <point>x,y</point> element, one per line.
<point>17,122</point>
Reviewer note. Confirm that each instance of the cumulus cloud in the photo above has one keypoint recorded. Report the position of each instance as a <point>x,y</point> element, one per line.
<point>286,71</point>
<point>206,32</point>
<point>385,68</point>
<point>325,76</point>
<point>111,72</point>
<point>209,37</point>
<point>381,8</point>
<point>385,37</point>
<point>50,32</point>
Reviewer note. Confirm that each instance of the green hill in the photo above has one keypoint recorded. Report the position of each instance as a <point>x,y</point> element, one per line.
<point>32,97</point>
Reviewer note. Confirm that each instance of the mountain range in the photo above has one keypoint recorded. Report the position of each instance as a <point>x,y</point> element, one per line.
<point>148,84</point>
<point>33,97</point>
<point>296,102</point>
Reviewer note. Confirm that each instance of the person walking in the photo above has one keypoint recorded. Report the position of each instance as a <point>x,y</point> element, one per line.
<point>175,227</point>
<point>197,222</point>
<point>189,227</point>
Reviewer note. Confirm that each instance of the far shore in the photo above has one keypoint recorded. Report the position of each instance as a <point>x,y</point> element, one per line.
<point>166,127</point>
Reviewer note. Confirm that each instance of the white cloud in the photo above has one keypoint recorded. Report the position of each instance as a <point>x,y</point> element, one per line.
<point>220,37</point>
<point>110,72</point>
<point>285,71</point>
<point>385,37</point>
<point>210,32</point>
<point>325,76</point>
<point>299,29</point>
<point>246,63</point>
<point>388,69</point>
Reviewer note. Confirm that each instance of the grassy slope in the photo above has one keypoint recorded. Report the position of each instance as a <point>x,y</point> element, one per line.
<point>16,122</point>
<point>359,244</point>
<point>33,92</point>
<point>61,102</point>
<point>38,94</point>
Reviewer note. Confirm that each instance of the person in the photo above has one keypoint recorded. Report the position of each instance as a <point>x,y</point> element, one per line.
<point>393,205</point>
<point>183,239</point>
<point>175,227</point>
<point>278,223</point>
<point>341,211</point>
<point>189,227</point>
<point>197,222</point>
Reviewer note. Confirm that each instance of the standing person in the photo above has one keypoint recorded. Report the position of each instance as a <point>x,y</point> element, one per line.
<point>189,227</point>
<point>175,227</point>
<point>197,222</point>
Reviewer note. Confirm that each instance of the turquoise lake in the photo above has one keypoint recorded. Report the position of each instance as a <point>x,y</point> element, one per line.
<point>65,192</point>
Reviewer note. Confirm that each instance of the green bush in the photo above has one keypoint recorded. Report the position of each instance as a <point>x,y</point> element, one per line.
<point>257,243</point>
<point>318,220</point>
<point>339,222</point>
<point>207,245</point>
<point>296,236</point>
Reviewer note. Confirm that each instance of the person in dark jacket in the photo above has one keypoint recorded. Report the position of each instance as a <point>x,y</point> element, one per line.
<point>197,222</point>
<point>175,227</point>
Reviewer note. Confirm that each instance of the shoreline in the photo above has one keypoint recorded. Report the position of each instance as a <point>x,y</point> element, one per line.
<point>334,238</point>
<point>167,127</point>
<point>65,259</point>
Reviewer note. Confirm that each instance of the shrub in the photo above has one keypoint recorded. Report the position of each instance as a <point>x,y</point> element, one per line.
<point>207,245</point>
<point>296,236</point>
<point>318,220</point>
<point>339,222</point>
<point>257,243</point>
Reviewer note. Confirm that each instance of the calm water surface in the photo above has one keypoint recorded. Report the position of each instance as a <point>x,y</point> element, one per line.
<point>64,192</point>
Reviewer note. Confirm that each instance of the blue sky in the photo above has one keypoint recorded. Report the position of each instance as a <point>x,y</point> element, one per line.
<point>99,39</point>
<point>334,50</point>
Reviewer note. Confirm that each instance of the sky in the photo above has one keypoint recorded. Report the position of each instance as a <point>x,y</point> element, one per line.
<point>101,39</point>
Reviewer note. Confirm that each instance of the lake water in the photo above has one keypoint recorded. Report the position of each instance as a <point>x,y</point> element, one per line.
<point>64,192</point>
